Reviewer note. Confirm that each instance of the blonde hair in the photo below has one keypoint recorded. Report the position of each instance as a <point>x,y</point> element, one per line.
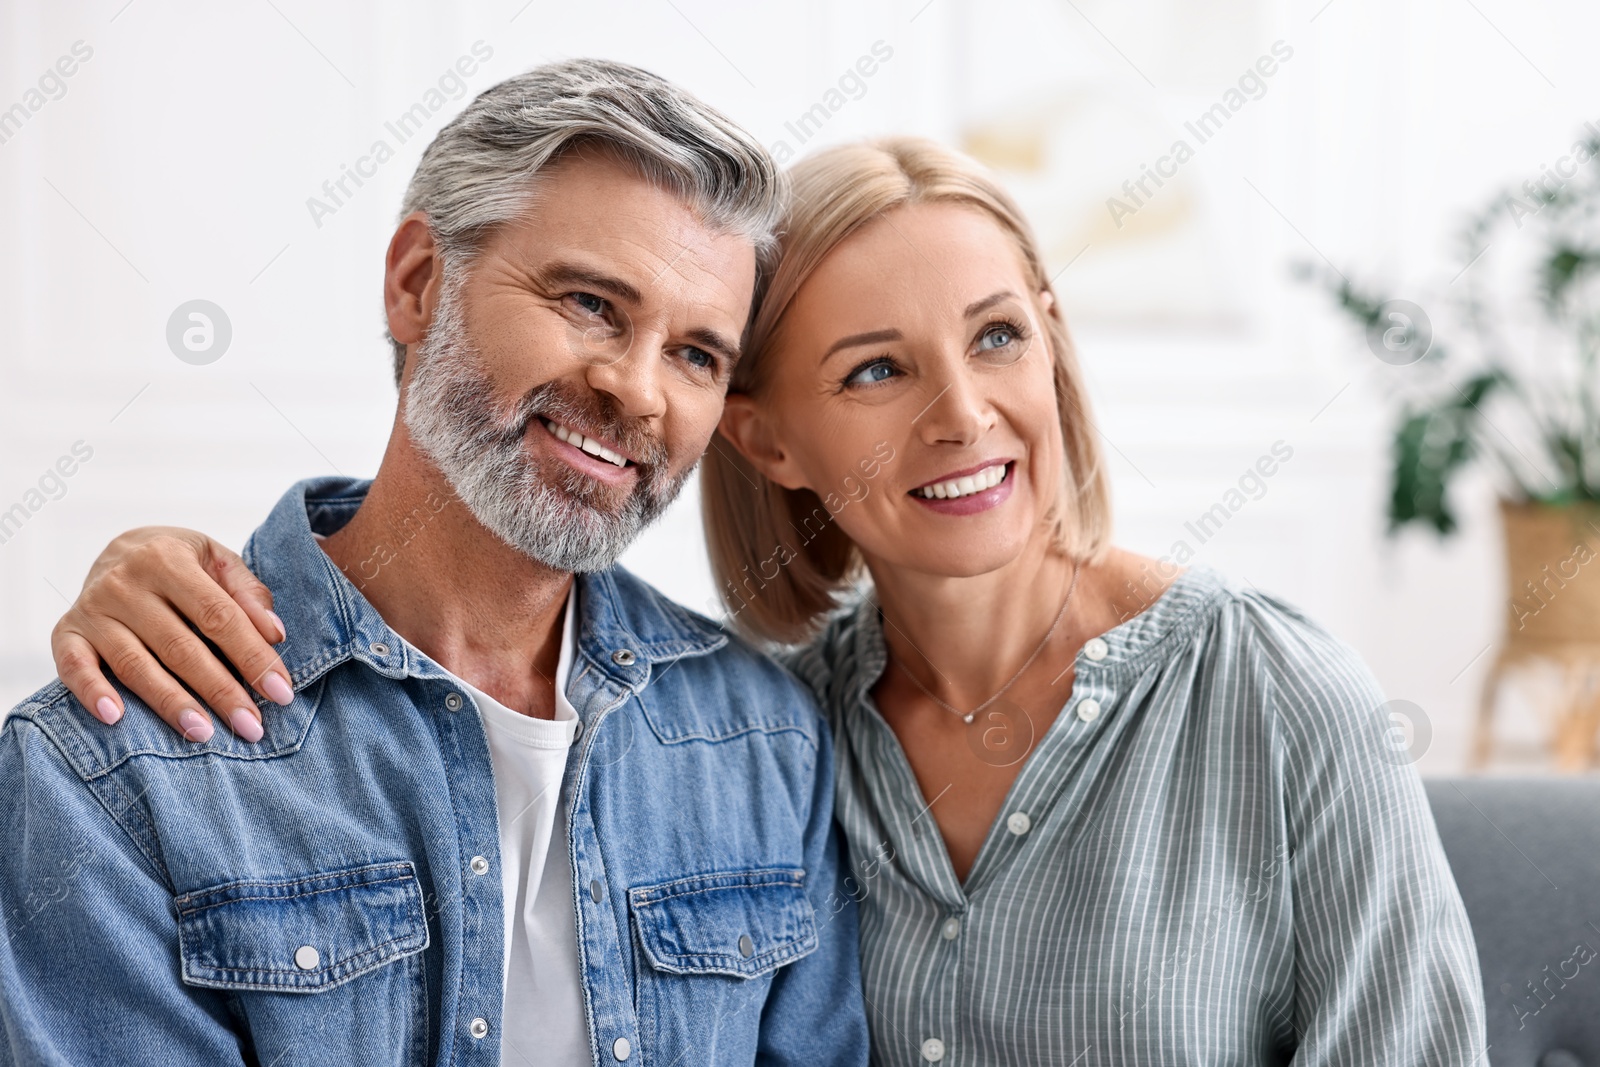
<point>779,584</point>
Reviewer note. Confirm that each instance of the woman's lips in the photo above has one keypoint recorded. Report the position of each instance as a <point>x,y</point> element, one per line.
<point>976,495</point>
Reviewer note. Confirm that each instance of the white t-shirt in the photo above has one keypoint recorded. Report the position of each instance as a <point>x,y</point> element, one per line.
<point>542,1021</point>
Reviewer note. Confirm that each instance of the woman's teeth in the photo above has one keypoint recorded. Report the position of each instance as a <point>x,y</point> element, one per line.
<point>577,440</point>
<point>987,478</point>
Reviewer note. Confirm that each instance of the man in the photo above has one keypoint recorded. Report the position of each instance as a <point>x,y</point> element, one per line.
<point>624,854</point>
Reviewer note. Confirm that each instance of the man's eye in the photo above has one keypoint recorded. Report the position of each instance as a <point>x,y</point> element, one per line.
<point>878,370</point>
<point>594,305</point>
<point>699,357</point>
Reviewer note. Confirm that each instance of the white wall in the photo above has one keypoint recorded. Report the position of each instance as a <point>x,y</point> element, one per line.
<point>178,163</point>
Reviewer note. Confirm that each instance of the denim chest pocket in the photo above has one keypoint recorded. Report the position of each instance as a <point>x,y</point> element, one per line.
<point>301,935</point>
<point>742,924</point>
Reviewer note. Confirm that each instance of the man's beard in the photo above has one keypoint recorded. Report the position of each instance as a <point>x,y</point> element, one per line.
<point>549,511</point>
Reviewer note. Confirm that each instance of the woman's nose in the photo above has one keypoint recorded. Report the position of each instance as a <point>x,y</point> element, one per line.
<point>958,410</point>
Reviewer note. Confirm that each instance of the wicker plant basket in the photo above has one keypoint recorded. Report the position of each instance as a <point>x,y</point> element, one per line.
<point>1552,574</point>
<point>1553,621</point>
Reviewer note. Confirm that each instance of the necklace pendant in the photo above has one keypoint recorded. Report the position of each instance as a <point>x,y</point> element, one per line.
<point>967,717</point>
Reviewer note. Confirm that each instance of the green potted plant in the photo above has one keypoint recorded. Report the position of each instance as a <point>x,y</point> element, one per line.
<point>1510,378</point>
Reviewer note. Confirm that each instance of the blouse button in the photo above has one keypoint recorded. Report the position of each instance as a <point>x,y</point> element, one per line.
<point>951,929</point>
<point>1089,710</point>
<point>1095,649</point>
<point>933,1050</point>
<point>1019,823</point>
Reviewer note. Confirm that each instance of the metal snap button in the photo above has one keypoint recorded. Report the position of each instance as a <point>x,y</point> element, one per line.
<point>307,958</point>
<point>577,731</point>
<point>1095,649</point>
<point>379,648</point>
<point>479,1028</point>
<point>623,657</point>
<point>453,701</point>
<point>479,865</point>
<point>620,1048</point>
<point>747,947</point>
<point>594,890</point>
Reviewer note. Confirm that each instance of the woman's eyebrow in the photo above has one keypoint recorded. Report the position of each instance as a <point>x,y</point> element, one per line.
<point>872,337</point>
<point>977,307</point>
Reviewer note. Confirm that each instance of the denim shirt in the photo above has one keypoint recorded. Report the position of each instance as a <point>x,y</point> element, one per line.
<point>332,894</point>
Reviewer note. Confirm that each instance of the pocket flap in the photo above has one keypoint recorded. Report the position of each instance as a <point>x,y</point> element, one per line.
<point>301,934</point>
<point>741,923</point>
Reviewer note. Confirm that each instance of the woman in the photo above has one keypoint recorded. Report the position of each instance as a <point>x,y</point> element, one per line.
<point>1099,810</point>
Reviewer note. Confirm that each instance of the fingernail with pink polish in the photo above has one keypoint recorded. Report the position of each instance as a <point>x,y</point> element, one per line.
<point>245,724</point>
<point>276,688</point>
<point>106,710</point>
<point>283,631</point>
<point>195,726</point>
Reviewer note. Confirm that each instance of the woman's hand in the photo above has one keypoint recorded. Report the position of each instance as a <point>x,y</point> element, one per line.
<point>135,612</point>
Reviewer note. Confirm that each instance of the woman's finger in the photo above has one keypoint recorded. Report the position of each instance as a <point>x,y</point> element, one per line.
<point>137,668</point>
<point>248,591</point>
<point>198,597</point>
<point>78,665</point>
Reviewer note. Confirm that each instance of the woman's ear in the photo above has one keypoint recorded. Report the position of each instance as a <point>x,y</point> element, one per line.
<point>1047,301</point>
<point>747,427</point>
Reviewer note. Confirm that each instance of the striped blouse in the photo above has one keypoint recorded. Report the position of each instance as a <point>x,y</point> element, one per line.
<point>1216,854</point>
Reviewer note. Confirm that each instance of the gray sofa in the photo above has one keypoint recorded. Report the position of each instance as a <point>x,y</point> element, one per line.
<point>1526,855</point>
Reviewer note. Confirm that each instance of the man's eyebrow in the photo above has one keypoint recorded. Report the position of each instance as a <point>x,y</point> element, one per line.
<point>979,306</point>
<point>713,341</point>
<point>872,337</point>
<point>557,274</point>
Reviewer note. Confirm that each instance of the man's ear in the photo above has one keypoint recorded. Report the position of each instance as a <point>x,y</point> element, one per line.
<point>747,427</point>
<point>411,279</point>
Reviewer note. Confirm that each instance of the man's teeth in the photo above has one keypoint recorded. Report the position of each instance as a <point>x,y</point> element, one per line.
<point>589,445</point>
<point>987,478</point>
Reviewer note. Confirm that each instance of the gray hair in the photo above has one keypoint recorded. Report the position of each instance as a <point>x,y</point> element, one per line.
<point>478,172</point>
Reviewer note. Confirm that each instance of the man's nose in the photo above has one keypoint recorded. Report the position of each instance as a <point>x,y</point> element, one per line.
<point>631,377</point>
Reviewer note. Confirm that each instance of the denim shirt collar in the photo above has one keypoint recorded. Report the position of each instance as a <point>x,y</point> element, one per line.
<point>624,626</point>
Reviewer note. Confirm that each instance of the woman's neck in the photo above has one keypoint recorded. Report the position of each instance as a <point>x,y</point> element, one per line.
<point>965,638</point>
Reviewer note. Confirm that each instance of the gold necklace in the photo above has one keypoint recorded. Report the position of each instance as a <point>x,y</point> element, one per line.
<point>968,716</point>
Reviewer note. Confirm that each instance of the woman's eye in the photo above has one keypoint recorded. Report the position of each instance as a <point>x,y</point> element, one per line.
<point>997,337</point>
<point>879,370</point>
